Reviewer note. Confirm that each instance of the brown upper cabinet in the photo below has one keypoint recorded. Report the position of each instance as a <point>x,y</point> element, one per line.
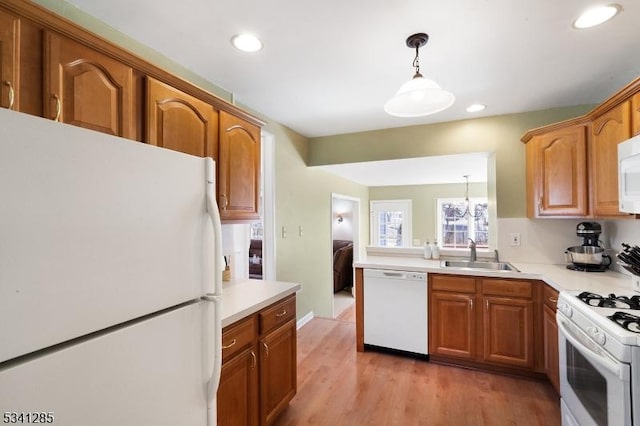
<point>572,166</point>
<point>238,169</point>
<point>635,114</point>
<point>51,67</point>
<point>608,130</point>
<point>557,173</point>
<point>86,88</point>
<point>180,122</point>
<point>9,55</point>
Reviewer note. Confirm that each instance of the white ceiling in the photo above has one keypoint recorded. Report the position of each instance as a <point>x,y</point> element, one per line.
<point>415,171</point>
<point>328,67</point>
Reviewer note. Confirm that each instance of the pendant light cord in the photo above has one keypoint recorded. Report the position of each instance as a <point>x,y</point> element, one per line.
<point>416,64</point>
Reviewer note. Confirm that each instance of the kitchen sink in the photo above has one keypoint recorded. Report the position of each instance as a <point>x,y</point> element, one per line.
<point>479,265</point>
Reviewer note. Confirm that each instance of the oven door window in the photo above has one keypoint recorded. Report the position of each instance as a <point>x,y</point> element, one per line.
<point>588,384</point>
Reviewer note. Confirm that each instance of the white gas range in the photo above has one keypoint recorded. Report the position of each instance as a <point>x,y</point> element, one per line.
<point>599,350</point>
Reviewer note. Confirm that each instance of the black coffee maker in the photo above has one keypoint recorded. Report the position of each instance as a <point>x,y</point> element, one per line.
<point>590,256</point>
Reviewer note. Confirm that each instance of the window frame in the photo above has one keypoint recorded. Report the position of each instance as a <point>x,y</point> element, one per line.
<point>377,206</point>
<point>470,221</point>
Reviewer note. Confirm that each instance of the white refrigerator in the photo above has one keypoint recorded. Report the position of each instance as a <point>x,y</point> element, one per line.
<point>110,279</point>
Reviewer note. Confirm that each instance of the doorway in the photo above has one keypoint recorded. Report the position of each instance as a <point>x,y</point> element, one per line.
<point>345,244</point>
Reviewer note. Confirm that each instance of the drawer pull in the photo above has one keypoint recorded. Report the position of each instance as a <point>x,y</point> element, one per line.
<point>281,314</point>
<point>233,342</point>
<point>12,95</point>
<point>553,299</point>
<point>254,363</point>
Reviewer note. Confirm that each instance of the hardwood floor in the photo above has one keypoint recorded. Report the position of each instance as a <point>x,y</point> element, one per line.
<point>339,386</point>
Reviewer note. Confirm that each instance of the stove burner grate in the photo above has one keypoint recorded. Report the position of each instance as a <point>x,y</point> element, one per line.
<point>626,321</point>
<point>610,301</point>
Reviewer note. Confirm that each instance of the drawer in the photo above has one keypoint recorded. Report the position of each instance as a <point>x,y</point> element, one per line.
<point>277,314</point>
<point>238,336</point>
<point>457,283</point>
<point>550,297</point>
<point>510,288</point>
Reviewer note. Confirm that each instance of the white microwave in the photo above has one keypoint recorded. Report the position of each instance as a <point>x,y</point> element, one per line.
<point>629,175</point>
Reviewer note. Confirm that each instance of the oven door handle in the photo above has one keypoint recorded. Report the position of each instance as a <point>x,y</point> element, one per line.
<point>612,366</point>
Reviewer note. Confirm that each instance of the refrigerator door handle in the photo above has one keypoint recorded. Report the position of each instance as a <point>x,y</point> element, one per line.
<point>214,215</point>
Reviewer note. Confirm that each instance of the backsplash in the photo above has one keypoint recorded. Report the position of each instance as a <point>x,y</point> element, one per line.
<point>545,240</point>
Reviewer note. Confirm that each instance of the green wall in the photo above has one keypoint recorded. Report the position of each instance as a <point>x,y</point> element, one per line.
<point>423,202</point>
<point>500,135</point>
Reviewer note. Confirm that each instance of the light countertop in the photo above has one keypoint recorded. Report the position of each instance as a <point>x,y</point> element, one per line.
<point>241,298</point>
<point>557,276</point>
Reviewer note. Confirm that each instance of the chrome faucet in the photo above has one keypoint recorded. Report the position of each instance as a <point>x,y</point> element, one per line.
<point>472,246</point>
<point>496,257</point>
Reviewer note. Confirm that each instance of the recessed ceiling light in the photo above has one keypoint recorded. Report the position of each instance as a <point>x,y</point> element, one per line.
<point>596,16</point>
<point>246,42</point>
<point>475,108</point>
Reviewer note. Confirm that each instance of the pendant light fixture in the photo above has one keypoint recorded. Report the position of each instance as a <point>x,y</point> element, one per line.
<point>467,212</point>
<point>418,96</point>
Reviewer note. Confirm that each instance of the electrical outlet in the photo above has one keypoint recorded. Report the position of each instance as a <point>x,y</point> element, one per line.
<point>284,232</point>
<point>515,239</point>
<point>300,231</point>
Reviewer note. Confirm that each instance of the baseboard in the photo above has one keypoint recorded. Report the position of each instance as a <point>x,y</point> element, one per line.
<point>305,319</point>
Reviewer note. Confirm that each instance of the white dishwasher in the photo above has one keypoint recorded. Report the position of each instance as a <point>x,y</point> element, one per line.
<point>395,310</point>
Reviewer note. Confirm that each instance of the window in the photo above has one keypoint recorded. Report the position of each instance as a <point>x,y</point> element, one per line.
<point>455,224</point>
<point>391,223</point>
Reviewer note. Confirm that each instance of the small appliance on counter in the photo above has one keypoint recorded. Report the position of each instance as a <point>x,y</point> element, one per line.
<point>589,256</point>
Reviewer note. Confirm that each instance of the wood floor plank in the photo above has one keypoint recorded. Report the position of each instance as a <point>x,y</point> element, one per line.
<point>339,386</point>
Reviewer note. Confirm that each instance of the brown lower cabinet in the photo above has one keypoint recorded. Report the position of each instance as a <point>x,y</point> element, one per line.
<point>550,329</point>
<point>259,371</point>
<point>483,321</point>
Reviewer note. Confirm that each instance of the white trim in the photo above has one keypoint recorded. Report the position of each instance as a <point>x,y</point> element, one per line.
<point>356,238</point>
<point>305,319</point>
<point>406,206</point>
<point>268,209</point>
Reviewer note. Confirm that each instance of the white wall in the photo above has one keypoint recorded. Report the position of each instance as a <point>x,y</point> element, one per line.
<point>235,245</point>
<point>545,240</point>
<point>346,209</point>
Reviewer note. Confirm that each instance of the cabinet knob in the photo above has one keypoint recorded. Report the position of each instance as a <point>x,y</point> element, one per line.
<point>58,108</point>
<point>12,94</point>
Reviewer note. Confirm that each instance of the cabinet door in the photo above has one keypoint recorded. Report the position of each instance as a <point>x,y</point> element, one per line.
<point>508,331</point>
<point>239,169</point>
<point>635,114</point>
<point>551,359</point>
<point>560,173</point>
<point>607,132</point>
<point>9,51</point>
<point>86,88</point>
<point>452,325</point>
<point>180,122</point>
<point>237,398</point>
<point>277,371</point>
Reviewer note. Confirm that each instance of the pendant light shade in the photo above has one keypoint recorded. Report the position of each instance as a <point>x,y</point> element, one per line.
<point>419,96</point>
